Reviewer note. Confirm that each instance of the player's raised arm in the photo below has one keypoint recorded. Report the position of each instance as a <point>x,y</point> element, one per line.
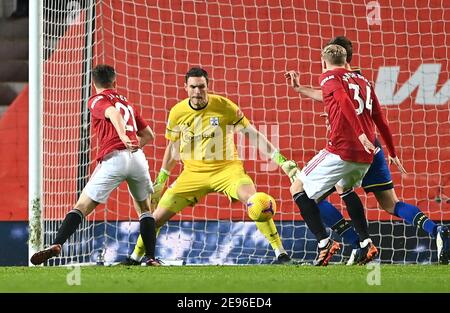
<point>119,124</point>
<point>293,79</point>
<point>289,167</point>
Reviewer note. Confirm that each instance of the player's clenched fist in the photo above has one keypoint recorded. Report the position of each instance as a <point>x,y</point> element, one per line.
<point>293,79</point>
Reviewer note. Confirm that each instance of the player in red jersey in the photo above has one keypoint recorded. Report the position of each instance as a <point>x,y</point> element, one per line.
<point>122,133</point>
<point>377,180</point>
<point>347,157</point>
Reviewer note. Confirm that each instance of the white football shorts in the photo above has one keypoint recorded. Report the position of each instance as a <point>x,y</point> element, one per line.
<point>116,167</point>
<point>327,169</point>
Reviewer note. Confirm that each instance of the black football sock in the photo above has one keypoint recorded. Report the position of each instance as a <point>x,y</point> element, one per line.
<point>148,233</point>
<point>332,218</point>
<point>356,212</point>
<point>311,215</point>
<point>70,224</point>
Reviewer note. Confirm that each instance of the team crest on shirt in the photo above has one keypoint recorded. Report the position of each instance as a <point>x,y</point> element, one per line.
<point>214,121</point>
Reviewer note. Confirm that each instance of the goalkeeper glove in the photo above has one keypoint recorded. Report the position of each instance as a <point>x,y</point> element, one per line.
<point>289,167</point>
<point>158,186</point>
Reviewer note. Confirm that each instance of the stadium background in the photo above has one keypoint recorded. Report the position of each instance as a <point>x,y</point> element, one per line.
<point>246,49</point>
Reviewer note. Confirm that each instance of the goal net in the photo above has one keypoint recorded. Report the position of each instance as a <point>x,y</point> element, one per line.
<point>246,46</point>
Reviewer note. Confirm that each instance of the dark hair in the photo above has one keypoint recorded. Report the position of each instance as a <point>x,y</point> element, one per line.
<point>345,43</point>
<point>196,72</point>
<point>103,75</point>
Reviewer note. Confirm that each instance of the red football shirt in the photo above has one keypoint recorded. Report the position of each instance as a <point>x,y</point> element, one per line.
<point>352,108</point>
<point>107,135</point>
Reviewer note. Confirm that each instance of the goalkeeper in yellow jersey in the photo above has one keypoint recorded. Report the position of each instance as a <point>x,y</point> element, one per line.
<point>201,131</point>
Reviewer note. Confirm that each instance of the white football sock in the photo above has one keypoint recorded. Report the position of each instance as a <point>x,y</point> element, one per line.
<point>136,257</point>
<point>364,243</point>
<point>323,243</point>
<point>279,251</point>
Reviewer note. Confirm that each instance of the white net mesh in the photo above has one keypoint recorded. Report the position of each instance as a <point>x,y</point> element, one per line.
<point>246,47</point>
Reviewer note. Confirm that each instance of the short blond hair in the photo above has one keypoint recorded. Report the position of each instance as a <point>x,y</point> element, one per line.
<point>334,54</point>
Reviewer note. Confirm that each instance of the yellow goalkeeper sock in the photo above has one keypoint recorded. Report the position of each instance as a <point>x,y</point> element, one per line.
<point>269,230</point>
<point>139,249</point>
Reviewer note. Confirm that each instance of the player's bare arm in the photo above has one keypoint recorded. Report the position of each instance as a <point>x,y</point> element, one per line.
<point>170,159</point>
<point>117,120</point>
<point>171,155</point>
<point>294,81</point>
<point>145,135</point>
<point>264,145</point>
<point>380,121</point>
<point>289,167</point>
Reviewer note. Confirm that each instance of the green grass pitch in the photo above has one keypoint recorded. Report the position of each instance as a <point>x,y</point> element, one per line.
<point>223,279</point>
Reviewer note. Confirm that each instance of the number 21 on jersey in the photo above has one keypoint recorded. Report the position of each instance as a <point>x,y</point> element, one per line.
<point>127,112</point>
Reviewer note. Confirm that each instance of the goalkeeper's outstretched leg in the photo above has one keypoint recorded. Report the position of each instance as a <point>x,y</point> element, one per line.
<point>241,188</point>
<point>267,228</point>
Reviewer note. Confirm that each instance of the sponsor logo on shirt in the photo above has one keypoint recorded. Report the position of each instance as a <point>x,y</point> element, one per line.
<point>94,102</point>
<point>326,79</point>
